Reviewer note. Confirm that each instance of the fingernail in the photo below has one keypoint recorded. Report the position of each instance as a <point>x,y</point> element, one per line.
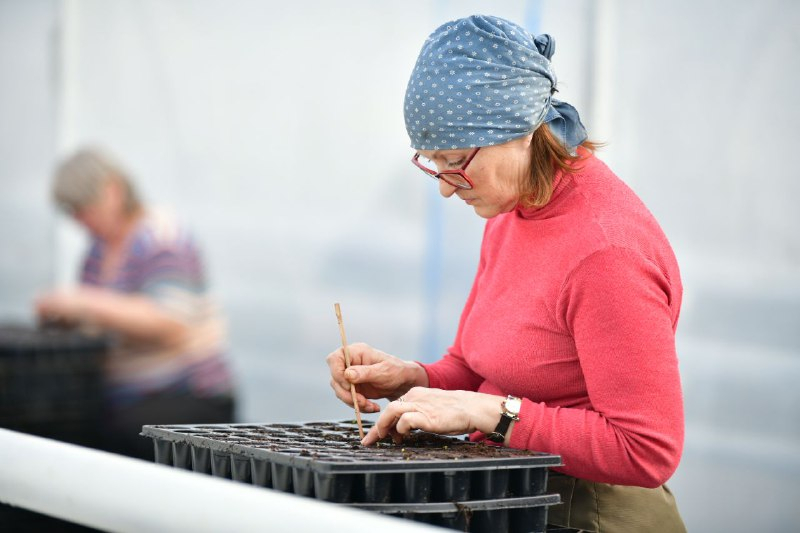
<point>350,373</point>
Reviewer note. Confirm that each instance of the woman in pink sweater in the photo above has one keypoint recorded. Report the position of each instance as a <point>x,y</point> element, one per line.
<point>566,343</point>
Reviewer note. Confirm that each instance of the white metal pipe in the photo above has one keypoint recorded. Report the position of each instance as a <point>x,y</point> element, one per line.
<point>116,493</point>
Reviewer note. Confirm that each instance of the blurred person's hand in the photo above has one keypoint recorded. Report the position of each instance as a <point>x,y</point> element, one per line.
<point>65,305</point>
<point>133,315</point>
<point>377,374</point>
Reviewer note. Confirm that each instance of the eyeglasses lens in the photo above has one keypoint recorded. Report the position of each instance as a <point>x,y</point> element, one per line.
<point>453,178</point>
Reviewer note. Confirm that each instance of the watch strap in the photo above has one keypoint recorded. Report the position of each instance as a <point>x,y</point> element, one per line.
<point>499,433</point>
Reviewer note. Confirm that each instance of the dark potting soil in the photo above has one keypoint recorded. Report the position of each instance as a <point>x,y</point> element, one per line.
<point>336,441</point>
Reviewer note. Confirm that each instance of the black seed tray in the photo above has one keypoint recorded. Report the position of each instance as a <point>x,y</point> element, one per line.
<point>325,460</point>
<point>508,514</point>
<point>51,382</point>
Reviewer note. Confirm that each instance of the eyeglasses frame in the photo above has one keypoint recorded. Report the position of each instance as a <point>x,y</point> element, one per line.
<point>444,173</point>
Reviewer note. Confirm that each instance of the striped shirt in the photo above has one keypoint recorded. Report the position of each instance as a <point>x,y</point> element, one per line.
<point>162,262</point>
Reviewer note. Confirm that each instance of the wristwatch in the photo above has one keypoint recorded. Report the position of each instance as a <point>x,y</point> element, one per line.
<point>511,408</point>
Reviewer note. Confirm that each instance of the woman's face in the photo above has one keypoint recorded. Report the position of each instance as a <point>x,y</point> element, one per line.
<point>103,216</point>
<point>497,173</point>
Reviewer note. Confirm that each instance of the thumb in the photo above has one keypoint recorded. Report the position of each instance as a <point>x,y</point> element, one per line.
<point>357,374</point>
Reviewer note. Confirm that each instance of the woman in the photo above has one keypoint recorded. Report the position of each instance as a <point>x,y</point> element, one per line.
<point>566,342</point>
<point>143,281</point>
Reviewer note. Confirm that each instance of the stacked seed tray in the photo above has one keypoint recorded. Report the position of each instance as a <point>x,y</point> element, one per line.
<point>51,386</point>
<point>51,382</point>
<point>439,480</point>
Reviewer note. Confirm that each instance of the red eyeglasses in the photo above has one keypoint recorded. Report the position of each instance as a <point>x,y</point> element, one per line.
<point>456,177</point>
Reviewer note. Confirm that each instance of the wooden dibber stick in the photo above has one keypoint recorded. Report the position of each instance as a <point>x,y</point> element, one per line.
<point>347,365</point>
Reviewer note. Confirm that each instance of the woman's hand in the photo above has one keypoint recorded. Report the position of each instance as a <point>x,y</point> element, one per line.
<point>136,316</point>
<point>66,305</point>
<point>377,374</point>
<point>437,411</point>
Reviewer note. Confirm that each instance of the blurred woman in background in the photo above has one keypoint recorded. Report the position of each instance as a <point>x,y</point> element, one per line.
<point>143,282</point>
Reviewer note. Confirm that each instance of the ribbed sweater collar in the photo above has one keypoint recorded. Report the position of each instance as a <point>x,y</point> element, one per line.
<point>562,184</point>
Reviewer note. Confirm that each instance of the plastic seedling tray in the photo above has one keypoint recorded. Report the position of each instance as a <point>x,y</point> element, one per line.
<point>325,460</point>
<point>51,386</point>
<point>506,514</point>
<point>51,382</point>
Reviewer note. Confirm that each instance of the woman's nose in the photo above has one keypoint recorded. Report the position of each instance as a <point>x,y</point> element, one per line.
<point>445,189</point>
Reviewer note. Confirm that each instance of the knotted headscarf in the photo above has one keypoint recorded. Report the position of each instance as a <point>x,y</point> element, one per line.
<point>483,80</point>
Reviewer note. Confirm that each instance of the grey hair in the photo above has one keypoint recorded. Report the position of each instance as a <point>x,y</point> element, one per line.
<point>80,178</point>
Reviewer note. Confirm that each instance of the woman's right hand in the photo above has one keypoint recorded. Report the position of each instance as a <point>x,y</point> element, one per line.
<point>376,374</point>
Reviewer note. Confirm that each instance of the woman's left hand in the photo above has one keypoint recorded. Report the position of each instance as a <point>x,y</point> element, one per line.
<point>63,305</point>
<point>132,314</point>
<point>437,411</point>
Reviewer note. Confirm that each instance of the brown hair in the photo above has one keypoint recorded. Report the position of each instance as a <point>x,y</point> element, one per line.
<point>548,155</point>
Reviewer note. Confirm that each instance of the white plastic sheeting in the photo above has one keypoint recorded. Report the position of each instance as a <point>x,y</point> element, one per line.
<point>276,129</point>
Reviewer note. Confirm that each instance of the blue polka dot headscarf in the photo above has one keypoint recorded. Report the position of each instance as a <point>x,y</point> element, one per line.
<point>481,81</point>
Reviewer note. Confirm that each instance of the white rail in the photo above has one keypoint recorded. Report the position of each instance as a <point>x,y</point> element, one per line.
<point>115,493</point>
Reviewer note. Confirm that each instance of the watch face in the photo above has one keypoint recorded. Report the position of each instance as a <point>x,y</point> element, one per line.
<point>513,405</point>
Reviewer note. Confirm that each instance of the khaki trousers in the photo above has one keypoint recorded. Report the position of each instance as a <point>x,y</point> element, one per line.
<point>604,508</point>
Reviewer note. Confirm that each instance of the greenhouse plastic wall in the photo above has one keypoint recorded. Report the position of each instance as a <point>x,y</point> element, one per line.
<point>303,194</point>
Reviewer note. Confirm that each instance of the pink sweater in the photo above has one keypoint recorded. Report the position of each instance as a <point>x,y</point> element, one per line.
<point>574,309</point>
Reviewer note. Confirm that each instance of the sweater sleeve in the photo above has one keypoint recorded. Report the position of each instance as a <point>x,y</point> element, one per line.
<point>621,310</point>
